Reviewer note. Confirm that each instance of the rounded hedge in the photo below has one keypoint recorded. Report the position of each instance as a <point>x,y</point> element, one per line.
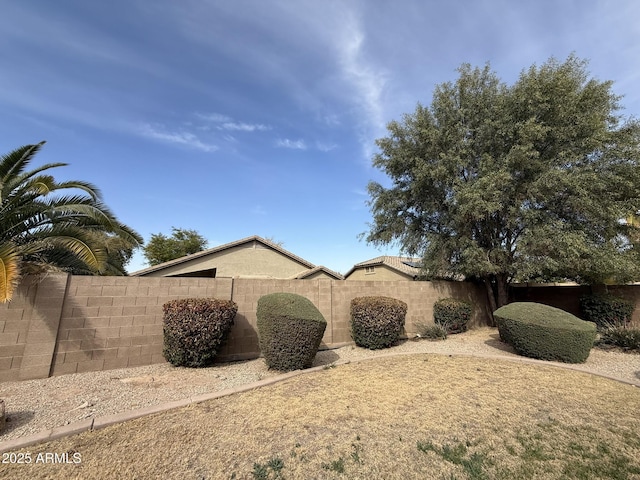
<point>452,314</point>
<point>290,329</point>
<point>547,333</point>
<point>195,329</point>
<point>377,322</point>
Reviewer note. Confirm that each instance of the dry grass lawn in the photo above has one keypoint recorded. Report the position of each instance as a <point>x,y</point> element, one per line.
<point>421,416</point>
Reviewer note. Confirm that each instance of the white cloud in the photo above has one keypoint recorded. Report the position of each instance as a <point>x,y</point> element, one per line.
<point>181,138</point>
<point>213,117</point>
<point>367,81</point>
<point>293,144</point>
<point>245,127</point>
<point>224,122</point>
<point>326,147</point>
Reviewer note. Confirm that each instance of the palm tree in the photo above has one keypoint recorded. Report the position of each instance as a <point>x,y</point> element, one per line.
<point>44,230</point>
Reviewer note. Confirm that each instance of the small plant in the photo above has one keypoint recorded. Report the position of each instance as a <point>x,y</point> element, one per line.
<point>452,314</point>
<point>456,453</point>
<point>432,331</point>
<point>335,466</point>
<point>624,337</point>
<point>377,322</point>
<point>195,329</point>
<point>355,454</point>
<point>262,471</point>
<point>606,310</point>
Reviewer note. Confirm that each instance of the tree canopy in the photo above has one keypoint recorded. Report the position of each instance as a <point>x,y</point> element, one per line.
<point>42,229</point>
<point>161,248</point>
<point>530,181</point>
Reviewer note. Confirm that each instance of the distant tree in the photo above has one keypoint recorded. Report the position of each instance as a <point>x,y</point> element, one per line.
<point>529,181</point>
<point>42,229</point>
<point>161,248</point>
<point>273,240</point>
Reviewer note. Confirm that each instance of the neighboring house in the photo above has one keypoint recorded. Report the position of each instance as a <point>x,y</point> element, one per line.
<point>252,257</point>
<point>385,268</point>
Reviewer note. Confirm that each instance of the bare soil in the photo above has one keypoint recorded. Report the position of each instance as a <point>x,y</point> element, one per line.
<point>418,416</point>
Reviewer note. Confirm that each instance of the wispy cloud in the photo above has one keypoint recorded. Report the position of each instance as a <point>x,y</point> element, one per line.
<point>368,81</point>
<point>293,144</point>
<point>213,117</point>
<point>180,137</point>
<point>244,127</point>
<point>326,147</point>
<point>224,122</point>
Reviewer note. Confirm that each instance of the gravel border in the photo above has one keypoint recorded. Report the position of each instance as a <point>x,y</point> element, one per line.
<point>34,406</point>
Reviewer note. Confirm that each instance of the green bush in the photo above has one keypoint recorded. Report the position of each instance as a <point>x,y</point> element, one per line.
<point>540,331</point>
<point>290,329</point>
<point>624,337</point>
<point>195,329</point>
<point>452,314</point>
<point>377,322</point>
<point>605,310</point>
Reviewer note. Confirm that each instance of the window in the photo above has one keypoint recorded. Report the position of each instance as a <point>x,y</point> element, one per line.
<point>368,270</point>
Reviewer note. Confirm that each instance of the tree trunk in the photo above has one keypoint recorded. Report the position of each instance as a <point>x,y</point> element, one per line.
<point>497,293</point>
<point>503,290</point>
<point>492,300</point>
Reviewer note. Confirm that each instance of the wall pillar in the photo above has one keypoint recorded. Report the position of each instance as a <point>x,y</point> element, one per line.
<point>43,327</point>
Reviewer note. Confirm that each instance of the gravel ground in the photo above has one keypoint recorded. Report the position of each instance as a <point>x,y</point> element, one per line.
<point>36,405</point>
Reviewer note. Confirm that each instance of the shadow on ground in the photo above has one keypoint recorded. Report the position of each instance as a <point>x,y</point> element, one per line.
<point>325,357</point>
<point>498,344</point>
<point>15,419</point>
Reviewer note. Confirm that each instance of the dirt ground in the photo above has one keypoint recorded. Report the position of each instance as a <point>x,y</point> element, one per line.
<point>418,416</point>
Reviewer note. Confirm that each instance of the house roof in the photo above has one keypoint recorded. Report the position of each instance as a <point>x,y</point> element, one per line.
<point>407,265</point>
<point>220,248</point>
<point>320,268</point>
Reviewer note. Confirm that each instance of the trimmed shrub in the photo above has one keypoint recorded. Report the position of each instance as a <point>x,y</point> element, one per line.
<point>195,329</point>
<point>376,322</point>
<point>452,314</point>
<point>540,331</point>
<point>290,329</point>
<point>605,310</point>
<point>624,337</point>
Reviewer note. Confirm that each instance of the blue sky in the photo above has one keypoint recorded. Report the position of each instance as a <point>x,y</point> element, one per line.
<point>246,117</point>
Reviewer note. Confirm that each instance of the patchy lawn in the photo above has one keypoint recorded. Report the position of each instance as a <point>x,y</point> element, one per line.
<point>419,416</point>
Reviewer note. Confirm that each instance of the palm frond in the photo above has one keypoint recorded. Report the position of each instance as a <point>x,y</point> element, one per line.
<point>14,163</point>
<point>58,225</point>
<point>9,271</point>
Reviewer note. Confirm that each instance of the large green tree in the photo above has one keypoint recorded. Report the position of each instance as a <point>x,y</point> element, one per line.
<point>43,229</point>
<point>525,181</point>
<point>160,248</point>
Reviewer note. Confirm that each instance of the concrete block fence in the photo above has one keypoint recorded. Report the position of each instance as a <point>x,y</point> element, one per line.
<point>63,324</point>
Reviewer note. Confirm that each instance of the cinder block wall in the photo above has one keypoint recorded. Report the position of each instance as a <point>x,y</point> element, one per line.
<point>116,322</point>
<point>66,324</point>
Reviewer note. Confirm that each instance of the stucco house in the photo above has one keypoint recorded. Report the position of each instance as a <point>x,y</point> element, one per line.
<point>385,268</point>
<point>251,257</point>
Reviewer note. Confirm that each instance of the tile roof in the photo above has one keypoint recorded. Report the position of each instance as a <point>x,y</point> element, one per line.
<point>308,273</point>
<point>407,265</point>
<point>221,248</point>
